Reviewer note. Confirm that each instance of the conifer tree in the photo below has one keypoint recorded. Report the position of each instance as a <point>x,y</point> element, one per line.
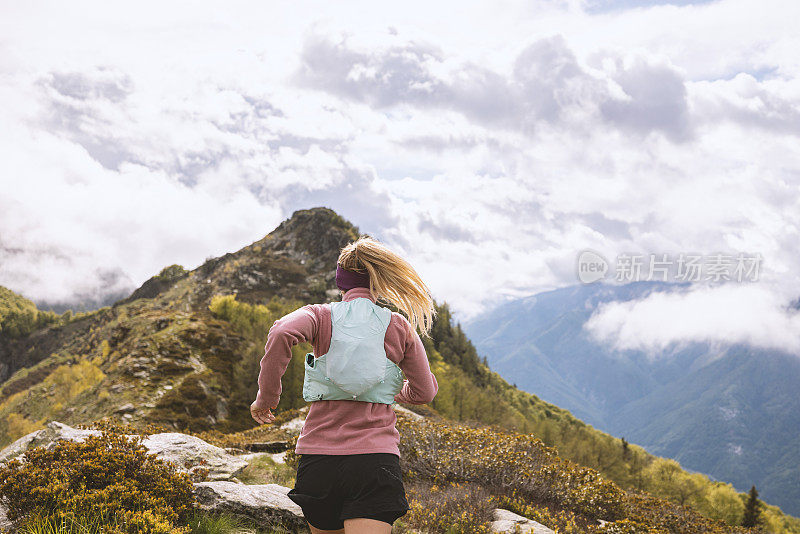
<point>752,509</point>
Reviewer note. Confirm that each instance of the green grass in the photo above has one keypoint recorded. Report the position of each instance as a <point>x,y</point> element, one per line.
<point>264,470</point>
<point>226,523</point>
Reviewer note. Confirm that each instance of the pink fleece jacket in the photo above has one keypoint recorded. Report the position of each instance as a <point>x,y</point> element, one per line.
<point>344,426</point>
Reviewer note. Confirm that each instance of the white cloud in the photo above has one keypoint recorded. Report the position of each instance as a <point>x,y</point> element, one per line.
<point>489,142</point>
<point>750,314</point>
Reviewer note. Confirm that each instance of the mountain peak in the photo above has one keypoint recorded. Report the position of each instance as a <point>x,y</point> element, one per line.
<point>314,235</point>
<point>296,260</point>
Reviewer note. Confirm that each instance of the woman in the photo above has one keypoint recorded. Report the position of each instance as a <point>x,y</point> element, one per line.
<point>349,478</point>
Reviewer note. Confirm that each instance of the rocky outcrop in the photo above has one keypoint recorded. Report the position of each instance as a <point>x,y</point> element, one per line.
<point>185,450</point>
<point>46,437</point>
<point>505,521</point>
<point>263,503</point>
<point>157,284</point>
<point>5,523</point>
<point>407,412</point>
<point>188,453</point>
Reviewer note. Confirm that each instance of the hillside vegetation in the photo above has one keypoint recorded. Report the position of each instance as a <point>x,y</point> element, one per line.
<point>471,393</point>
<point>729,410</point>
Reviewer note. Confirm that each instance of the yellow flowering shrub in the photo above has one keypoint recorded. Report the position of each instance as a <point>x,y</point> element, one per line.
<point>527,477</point>
<point>647,513</point>
<point>455,508</point>
<point>561,521</point>
<point>110,476</point>
<point>504,461</point>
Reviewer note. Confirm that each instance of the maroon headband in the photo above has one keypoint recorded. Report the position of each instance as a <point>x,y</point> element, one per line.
<point>347,280</point>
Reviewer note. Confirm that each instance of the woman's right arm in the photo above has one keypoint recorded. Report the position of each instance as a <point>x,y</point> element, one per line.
<point>297,327</point>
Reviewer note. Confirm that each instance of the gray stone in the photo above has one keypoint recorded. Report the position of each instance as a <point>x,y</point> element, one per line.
<point>406,411</point>
<point>46,437</point>
<point>191,453</point>
<point>263,503</point>
<point>506,521</point>
<point>5,524</point>
<point>294,426</point>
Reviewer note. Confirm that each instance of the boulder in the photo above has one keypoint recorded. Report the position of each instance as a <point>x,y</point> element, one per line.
<point>5,523</point>
<point>505,521</point>
<point>263,503</point>
<point>126,408</point>
<point>409,413</point>
<point>294,426</point>
<point>190,452</point>
<point>46,437</point>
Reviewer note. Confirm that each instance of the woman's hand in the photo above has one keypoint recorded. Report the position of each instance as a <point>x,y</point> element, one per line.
<point>262,415</point>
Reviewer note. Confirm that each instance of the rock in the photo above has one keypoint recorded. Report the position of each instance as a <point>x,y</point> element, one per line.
<point>406,411</point>
<point>46,437</point>
<point>126,408</point>
<point>5,524</point>
<point>190,452</point>
<point>506,521</point>
<point>268,446</point>
<point>293,426</point>
<point>263,503</point>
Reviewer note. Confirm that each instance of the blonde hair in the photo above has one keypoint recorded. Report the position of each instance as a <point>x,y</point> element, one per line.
<point>391,278</point>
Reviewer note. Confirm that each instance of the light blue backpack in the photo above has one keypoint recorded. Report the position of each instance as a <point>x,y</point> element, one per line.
<point>356,366</point>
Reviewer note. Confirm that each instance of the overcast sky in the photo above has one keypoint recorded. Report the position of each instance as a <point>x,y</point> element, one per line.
<point>488,142</point>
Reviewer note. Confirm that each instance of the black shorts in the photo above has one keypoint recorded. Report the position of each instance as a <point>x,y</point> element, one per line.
<point>333,487</point>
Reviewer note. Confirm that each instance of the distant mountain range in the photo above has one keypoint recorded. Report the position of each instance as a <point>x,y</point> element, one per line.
<point>732,413</point>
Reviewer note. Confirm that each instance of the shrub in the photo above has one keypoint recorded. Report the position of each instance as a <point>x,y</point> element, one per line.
<point>455,508</point>
<point>525,476</point>
<point>503,462</point>
<point>562,521</point>
<point>172,272</point>
<point>111,476</point>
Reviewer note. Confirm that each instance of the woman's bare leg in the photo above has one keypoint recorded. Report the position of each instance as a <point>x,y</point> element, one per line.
<point>315,530</point>
<point>362,525</point>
